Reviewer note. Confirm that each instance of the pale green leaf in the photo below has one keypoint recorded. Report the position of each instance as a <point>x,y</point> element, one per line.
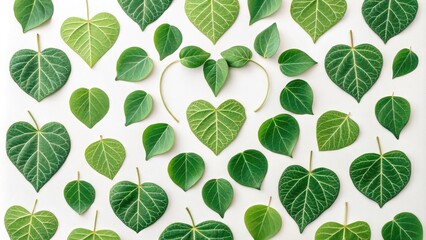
<point>86,234</point>
<point>260,9</point>
<point>158,139</point>
<point>216,74</point>
<point>137,107</point>
<point>268,41</point>
<point>294,62</point>
<point>134,65</point>
<point>167,40</point>
<point>193,56</point>
<point>32,13</point>
<point>336,231</point>
<point>263,222</point>
<point>186,169</point>
<point>237,56</point>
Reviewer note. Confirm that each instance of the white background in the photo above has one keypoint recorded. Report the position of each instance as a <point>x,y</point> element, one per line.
<point>186,85</point>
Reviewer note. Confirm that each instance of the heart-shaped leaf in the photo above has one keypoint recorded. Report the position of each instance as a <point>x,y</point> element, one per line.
<point>212,17</point>
<point>134,65</point>
<point>218,195</point>
<point>237,56</point>
<point>297,97</point>
<point>158,139</point>
<point>167,40</point>
<point>137,107</point>
<point>193,56</point>
<point>216,74</point>
<point>294,62</point>
<point>216,128</point>
<point>404,63</point>
<point>86,234</point>
<point>260,9</point>
<point>263,222</point>
<point>248,168</point>
<point>79,195</point>
<point>38,153</point>
<point>32,13</point>
<point>393,113</point>
<point>186,169</point>
<point>268,41</point>
<point>404,226</point>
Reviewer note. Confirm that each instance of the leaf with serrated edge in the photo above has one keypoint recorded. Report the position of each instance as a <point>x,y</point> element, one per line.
<point>216,74</point>
<point>404,63</point>
<point>263,222</point>
<point>268,41</point>
<point>393,113</point>
<point>297,97</point>
<point>294,62</point>
<point>248,168</point>
<point>167,39</point>
<point>404,226</point>
<point>260,9</point>
<point>218,195</point>
<point>237,56</point>
<point>134,65</point>
<point>186,169</point>
<point>32,13</point>
<point>137,107</point>
<point>79,195</point>
<point>158,139</point>
<point>193,56</point>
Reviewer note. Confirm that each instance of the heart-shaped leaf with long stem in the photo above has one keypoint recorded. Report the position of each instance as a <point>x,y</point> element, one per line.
<point>404,226</point>
<point>32,13</point>
<point>263,222</point>
<point>95,234</point>
<point>79,195</point>
<point>393,113</point>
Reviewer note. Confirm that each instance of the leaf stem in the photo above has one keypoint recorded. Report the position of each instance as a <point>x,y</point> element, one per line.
<point>35,122</point>
<point>38,44</point>
<point>161,90</point>
<point>34,207</point>
<point>87,10</point>
<point>96,221</point>
<point>345,220</point>
<point>352,38</point>
<point>102,138</point>
<point>190,216</point>
<point>270,200</point>
<point>78,176</point>
<point>268,82</point>
<point>139,176</point>
<point>380,146</point>
<point>310,161</point>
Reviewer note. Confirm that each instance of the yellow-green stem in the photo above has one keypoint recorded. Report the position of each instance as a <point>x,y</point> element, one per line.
<point>161,90</point>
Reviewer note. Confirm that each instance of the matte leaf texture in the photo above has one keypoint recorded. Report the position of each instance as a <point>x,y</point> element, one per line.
<point>38,153</point>
<point>216,74</point>
<point>137,107</point>
<point>89,105</point>
<point>193,56</point>
<point>355,69</point>
<point>381,177</point>
<point>216,127</point>
<point>93,234</point>
<point>167,40</point>
<point>218,195</point>
<point>294,62</point>
<point>41,73</point>
<point>263,222</point>
<point>138,206</point>
<point>158,139</point>
<point>248,168</point>
<point>237,56</point>
<point>212,17</point>
<point>144,12</point>
<point>316,17</point>
<point>186,169</point>
<point>388,18</point>
<point>32,13</point>
<point>336,130</point>
<point>260,9</point>
<point>297,97</point>
<point>280,134</point>
<point>106,156</point>
<point>268,41</point>
<point>79,195</point>
<point>404,63</point>
<point>404,226</point>
<point>134,65</point>
<point>24,225</point>
<point>393,113</point>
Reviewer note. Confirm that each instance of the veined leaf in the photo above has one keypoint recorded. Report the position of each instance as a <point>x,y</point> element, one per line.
<point>167,40</point>
<point>268,41</point>
<point>193,56</point>
<point>158,139</point>
<point>137,107</point>
<point>32,13</point>
<point>260,9</point>
<point>134,65</point>
<point>248,168</point>
<point>404,63</point>
<point>216,74</point>
<point>186,169</point>
<point>297,97</point>
<point>237,56</point>
<point>294,62</point>
<point>218,195</point>
<point>263,222</point>
<point>393,113</point>
<point>404,226</point>
<point>87,234</point>
<point>79,195</point>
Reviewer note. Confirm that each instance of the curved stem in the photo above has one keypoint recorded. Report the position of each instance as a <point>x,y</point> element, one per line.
<point>96,221</point>
<point>38,44</point>
<point>352,38</point>
<point>268,82</point>
<point>34,207</point>
<point>139,176</point>
<point>35,122</point>
<point>380,146</point>
<point>190,215</point>
<point>161,90</point>
<point>345,220</point>
<point>310,161</point>
<point>87,10</point>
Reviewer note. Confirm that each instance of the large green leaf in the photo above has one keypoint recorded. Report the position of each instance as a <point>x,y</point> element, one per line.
<point>193,56</point>
<point>336,231</point>
<point>186,169</point>
<point>263,222</point>
<point>297,97</point>
<point>32,13</point>
<point>393,113</point>
<point>294,62</point>
<point>167,39</point>
<point>260,9</point>
<point>268,41</point>
<point>87,234</point>
<point>79,195</point>
<point>144,12</point>
<point>248,168</point>
<point>158,139</point>
<point>38,153</point>
<point>316,17</point>
<point>404,63</point>
<point>404,226</point>
<point>336,130</point>
<point>137,107</point>
<point>134,65</point>
<point>280,134</point>
<point>216,74</point>
<point>216,128</point>
<point>388,18</point>
<point>218,195</point>
<point>237,56</point>
<point>212,17</point>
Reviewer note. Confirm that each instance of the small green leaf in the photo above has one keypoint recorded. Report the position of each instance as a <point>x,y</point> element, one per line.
<point>158,139</point>
<point>193,56</point>
<point>218,195</point>
<point>297,97</point>
<point>89,105</point>
<point>186,169</point>
<point>404,226</point>
<point>32,13</point>
<point>79,195</point>
<point>237,56</point>
<point>336,130</point>
<point>263,222</point>
<point>294,62</point>
<point>248,168</point>
<point>134,65</point>
<point>268,41</point>
<point>280,134</point>
<point>86,234</point>
<point>393,113</point>
<point>167,40</point>
<point>137,107</point>
<point>404,63</point>
<point>260,9</point>
<point>216,74</point>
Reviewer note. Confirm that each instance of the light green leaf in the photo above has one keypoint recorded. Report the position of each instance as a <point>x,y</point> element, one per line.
<point>268,41</point>
<point>218,195</point>
<point>260,9</point>
<point>336,231</point>
<point>158,139</point>
<point>263,222</point>
<point>89,105</point>
<point>212,17</point>
<point>316,17</point>
<point>404,63</point>
<point>134,65</point>
<point>167,40</point>
<point>137,107</point>
<point>237,56</point>
<point>297,97</point>
<point>248,168</point>
<point>86,234</point>
<point>216,74</point>
<point>336,130</point>
<point>32,13</point>
<point>216,128</point>
<point>393,113</point>
<point>294,62</point>
<point>193,56</point>
<point>186,169</point>
<point>404,226</point>
<point>79,195</point>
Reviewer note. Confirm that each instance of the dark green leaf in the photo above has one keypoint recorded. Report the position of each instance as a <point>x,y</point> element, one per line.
<point>393,113</point>
<point>405,226</point>
<point>137,107</point>
<point>158,139</point>
<point>294,62</point>
<point>237,56</point>
<point>186,169</point>
<point>248,168</point>
<point>404,63</point>
<point>79,195</point>
<point>297,97</point>
<point>167,40</point>
<point>32,13</point>
<point>268,41</point>
<point>193,56</point>
<point>134,65</point>
<point>260,9</point>
<point>218,195</point>
<point>216,74</point>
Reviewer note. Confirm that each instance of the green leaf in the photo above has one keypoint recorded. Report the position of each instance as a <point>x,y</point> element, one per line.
<point>297,97</point>
<point>316,17</point>
<point>381,177</point>
<point>248,168</point>
<point>167,40</point>
<point>212,17</point>
<point>138,206</point>
<point>38,153</point>
<point>388,18</point>
<point>79,195</point>
<point>216,74</point>
<point>263,222</point>
<point>186,169</point>
<point>237,56</point>
<point>32,13</point>
<point>294,62</point>
<point>137,107</point>
<point>336,231</point>
<point>260,9</point>
<point>158,139</point>
<point>268,41</point>
<point>106,156</point>
<point>405,226</point>
<point>89,105</point>
<point>218,195</point>
<point>393,113</point>
<point>91,38</point>
<point>193,56</point>
<point>404,63</point>
<point>87,234</point>
<point>280,134</point>
<point>336,130</point>
<point>134,65</point>
<point>144,12</point>
<point>216,127</point>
